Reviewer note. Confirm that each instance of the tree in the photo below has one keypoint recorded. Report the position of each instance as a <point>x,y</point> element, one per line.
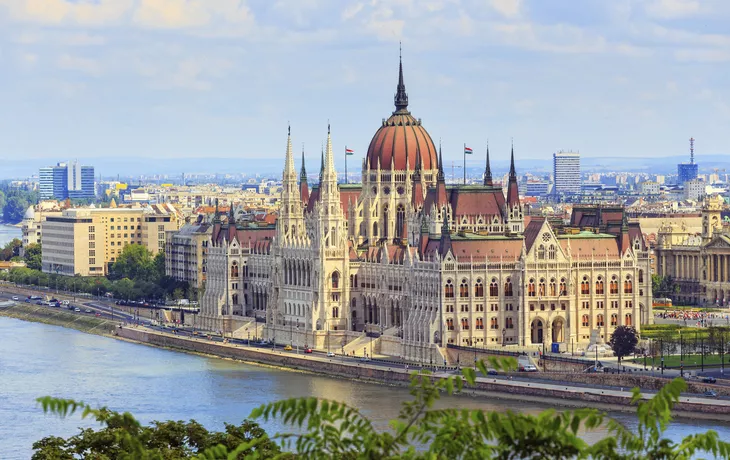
<point>327,429</point>
<point>664,286</point>
<point>623,342</point>
<point>15,207</point>
<point>33,256</point>
<point>135,262</point>
<point>11,249</point>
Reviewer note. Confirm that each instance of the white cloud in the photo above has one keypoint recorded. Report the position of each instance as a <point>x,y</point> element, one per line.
<point>79,64</point>
<point>507,8</point>
<point>672,9</point>
<point>63,12</point>
<point>702,55</point>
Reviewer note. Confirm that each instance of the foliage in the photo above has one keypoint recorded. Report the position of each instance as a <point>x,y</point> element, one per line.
<point>33,256</point>
<point>329,429</point>
<point>123,437</point>
<point>15,202</point>
<point>135,262</point>
<point>11,249</point>
<point>623,341</point>
<point>664,286</point>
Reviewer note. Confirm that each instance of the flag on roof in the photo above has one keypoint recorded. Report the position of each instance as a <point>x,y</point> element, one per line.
<point>349,151</point>
<point>467,150</point>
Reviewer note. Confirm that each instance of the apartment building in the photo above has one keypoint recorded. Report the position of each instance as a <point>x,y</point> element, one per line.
<point>85,241</point>
<point>185,253</point>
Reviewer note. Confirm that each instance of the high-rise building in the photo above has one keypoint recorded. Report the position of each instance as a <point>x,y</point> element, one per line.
<point>688,171</point>
<point>566,172</point>
<point>66,180</point>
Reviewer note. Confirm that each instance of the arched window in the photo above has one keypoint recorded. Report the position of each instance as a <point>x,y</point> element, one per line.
<point>585,287</point>
<point>385,221</point>
<point>479,289</point>
<point>449,289</point>
<point>375,229</point>
<point>464,324</point>
<point>508,288</point>
<point>335,312</point>
<point>541,288</point>
<point>234,270</point>
<point>479,324</point>
<point>599,321</point>
<point>531,288</point>
<point>509,323</point>
<point>627,319</point>
<point>628,285</point>
<point>614,319</point>
<point>450,324</point>
<point>599,285</point>
<point>493,288</point>
<point>551,252</point>
<point>464,288</point>
<point>335,280</point>
<point>541,252</point>
<point>553,287</point>
<point>613,285</point>
<point>353,303</point>
<point>400,222</point>
<point>563,287</point>
<point>584,321</point>
<point>234,299</point>
<point>641,276</point>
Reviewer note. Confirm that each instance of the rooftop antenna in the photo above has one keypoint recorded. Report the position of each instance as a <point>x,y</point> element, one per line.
<point>691,150</point>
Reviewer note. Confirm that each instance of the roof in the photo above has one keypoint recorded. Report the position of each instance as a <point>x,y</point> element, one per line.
<point>469,200</point>
<point>494,247</point>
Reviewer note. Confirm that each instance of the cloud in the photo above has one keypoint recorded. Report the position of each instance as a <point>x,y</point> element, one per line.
<point>79,64</point>
<point>507,8</point>
<point>672,9</point>
<point>62,12</point>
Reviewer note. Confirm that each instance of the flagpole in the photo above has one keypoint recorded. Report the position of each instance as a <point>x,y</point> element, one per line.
<point>345,164</point>
<point>465,163</point>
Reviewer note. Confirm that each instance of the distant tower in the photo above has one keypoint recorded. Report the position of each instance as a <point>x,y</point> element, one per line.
<point>688,171</point>
<point>691,150</point>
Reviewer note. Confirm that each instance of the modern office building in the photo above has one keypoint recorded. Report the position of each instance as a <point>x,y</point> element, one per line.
<point>537,188</point>
<point>688,171</point>
<point>66,180</point>
<point>566,172</point>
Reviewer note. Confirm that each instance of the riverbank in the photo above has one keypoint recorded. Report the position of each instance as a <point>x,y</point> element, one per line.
<point>557,393</point>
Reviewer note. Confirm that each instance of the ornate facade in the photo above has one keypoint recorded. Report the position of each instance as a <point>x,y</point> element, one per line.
<point>699,263</point>
<point>407,264</point>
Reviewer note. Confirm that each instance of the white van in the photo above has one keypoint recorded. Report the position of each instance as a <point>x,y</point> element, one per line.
<point>64,302</point>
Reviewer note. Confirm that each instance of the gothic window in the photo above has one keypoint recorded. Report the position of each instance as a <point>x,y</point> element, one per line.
<point>385,221</point>
<point>400,222</point>
<point>541,288</point>
<point>510,323</point>
<point>599,285</point>
<point>234,270</point>
<point>614,319</point>
<point>450,324</point>
<point>375,229</point>
<point>335,280</point>
<point>335,312</point>
<point>352,281</point>
<point>628,285</point>
<point>479,289</point>
<point>234,299</point>
<point>627,319</point>
<point>479,324</point>
<point>464,288</point>
<point>553,287</point>
<point>585,286</point>
<point>599,321</point>
<point>541,252</point>
<point>563,287</point>
<point>531,288</point>
<point>551,252</point>
<point>464,324</point>
<point>584,321</point>
<point>333,236</point>
<point>494,323</point>
<point>508,288</point>
<point>613,285</point>
<point>449,289</point>
<point>641,276</point>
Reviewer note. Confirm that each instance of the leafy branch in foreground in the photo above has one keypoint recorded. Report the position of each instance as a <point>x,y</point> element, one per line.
<point>330,429</point>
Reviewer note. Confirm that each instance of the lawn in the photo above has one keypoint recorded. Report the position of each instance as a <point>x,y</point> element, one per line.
<point>666,331</point>
<point>689,360</point>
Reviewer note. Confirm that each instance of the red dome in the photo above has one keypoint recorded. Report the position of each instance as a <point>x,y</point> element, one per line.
<point>402,139</point>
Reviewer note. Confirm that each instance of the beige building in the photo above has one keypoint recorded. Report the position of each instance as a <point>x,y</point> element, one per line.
<point>84,241</point>
<point>185,253</point>
<point>33,220</point>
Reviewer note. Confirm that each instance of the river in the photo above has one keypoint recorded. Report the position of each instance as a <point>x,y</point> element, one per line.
<point>156,384</point>
<point>8,232</point>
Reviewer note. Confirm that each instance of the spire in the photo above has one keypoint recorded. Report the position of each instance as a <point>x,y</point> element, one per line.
<point>445,243</point>
<point>329,158</point>
<point>513,195</point>
<point>303,171</point>
<point>216,216</point>
<point>440,176</point>
<point>231,215</point>
<point>417,172</point>
<point>512,173</point>
<point>289,163</point>
<point>488,171</point>
<point>401,97</point>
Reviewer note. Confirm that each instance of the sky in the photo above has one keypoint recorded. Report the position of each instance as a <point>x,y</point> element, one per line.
<point>224,78</point>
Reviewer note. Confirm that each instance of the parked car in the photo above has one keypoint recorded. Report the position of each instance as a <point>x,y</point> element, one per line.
<point>77,310</point>
<point>709,379</point>
<point>38,302</point>
<point>307,350</point>
<point>15,297</point>
<point>710,394</point>
<point>364,359</point>
<point>492,372</point>
<point>88,310</point>
<point>330,354</point>
<point>528,368</point>
<point>288,348</point>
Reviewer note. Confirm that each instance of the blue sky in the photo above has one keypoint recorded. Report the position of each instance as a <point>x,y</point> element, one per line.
<point>222,78</point>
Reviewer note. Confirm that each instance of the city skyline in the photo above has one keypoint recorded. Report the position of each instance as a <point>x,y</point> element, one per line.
<point>165,79</point>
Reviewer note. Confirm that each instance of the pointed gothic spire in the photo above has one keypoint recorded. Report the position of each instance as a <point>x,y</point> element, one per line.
<point>231,215</point>
<point>303,171</point>
<point>513,195</point>
<point>401,97</point>
<point>512,173</point>
<point>417,172</point>
<point>216,216</point>
<point>289,163</point>
<point>488,171</point>
<point>440,176</point>
<point>329,158</point>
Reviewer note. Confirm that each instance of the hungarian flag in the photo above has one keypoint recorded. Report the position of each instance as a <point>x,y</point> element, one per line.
<point>467,150</point>
<point>349,151</point>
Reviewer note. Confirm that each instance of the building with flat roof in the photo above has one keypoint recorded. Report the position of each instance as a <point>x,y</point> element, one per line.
<point>566,172</point>
<point>66,180</point>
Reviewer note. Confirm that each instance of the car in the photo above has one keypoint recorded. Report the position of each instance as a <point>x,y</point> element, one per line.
<point>330,354</point>
<point>364,359</point>
<point>53,300</point>
<point>528,368</point>
<point>709,380</point>
<point>38,302</point>
<point>492,372</point>
<point>15,297</point>
<point>307,350</point>
<point>27,300</point>
<point>710,394</point>
<point>77,309</point>
<point>288,348</point>
<point>88,310</point>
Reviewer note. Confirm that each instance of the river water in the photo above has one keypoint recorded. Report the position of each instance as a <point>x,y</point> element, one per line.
<point>8,232</point>
<point>156,384</point>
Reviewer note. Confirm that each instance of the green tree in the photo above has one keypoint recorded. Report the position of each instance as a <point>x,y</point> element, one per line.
<point>623,342</point>
<point>33,256</point>
<point>11,249</point>
<point>135,262</point>
<point>326,429</point>
<point>15,206</point>
<point>664,286</point>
